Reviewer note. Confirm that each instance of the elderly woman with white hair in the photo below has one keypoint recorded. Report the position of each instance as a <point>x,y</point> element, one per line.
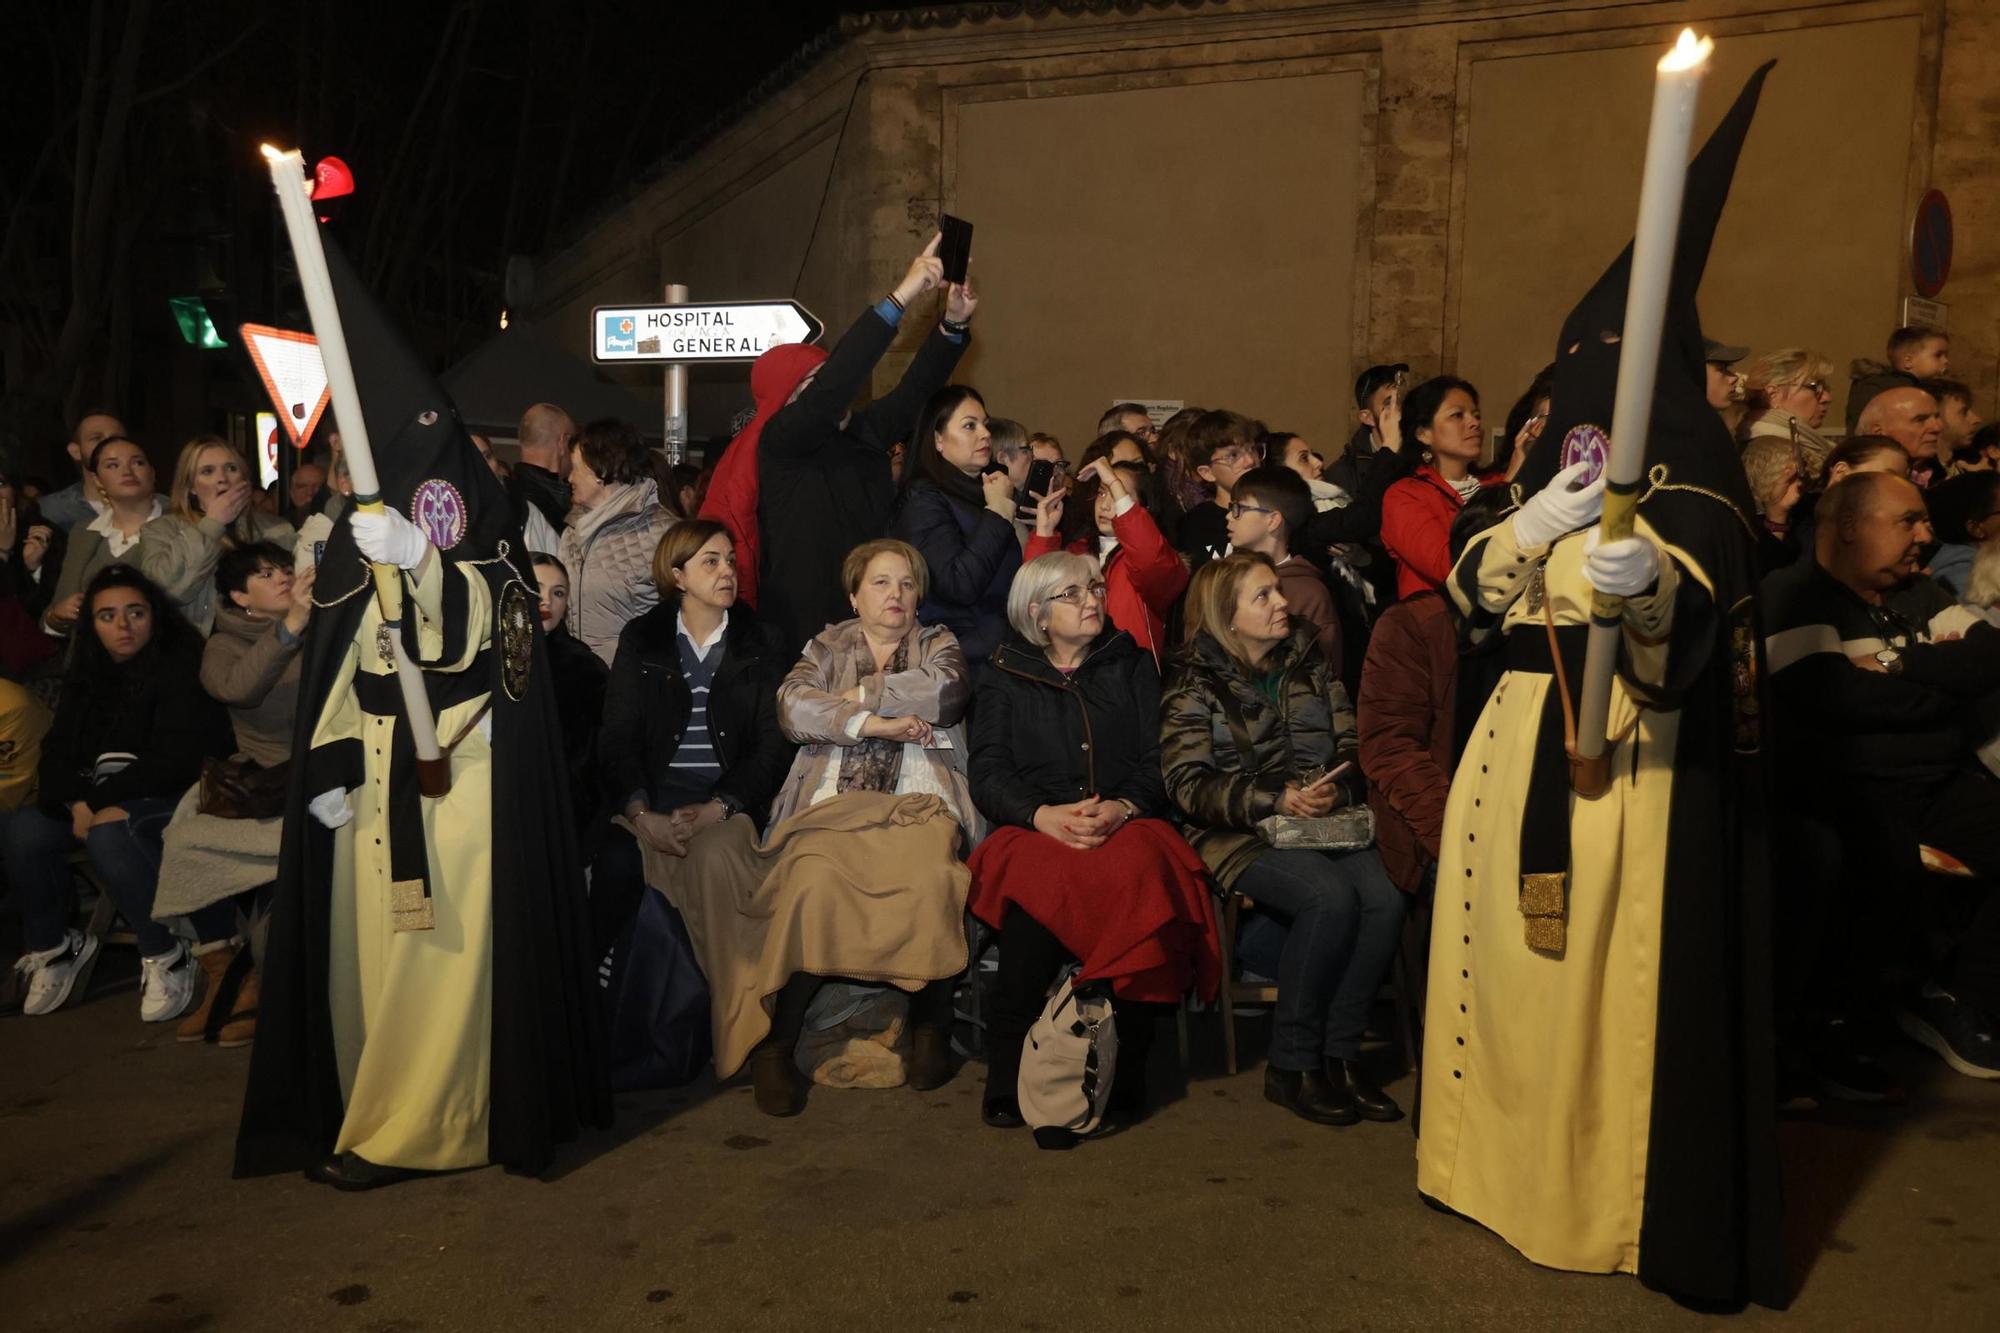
<point>1081,863</point>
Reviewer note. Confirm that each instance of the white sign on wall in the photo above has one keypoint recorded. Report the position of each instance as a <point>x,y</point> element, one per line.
<point>1158,409</point>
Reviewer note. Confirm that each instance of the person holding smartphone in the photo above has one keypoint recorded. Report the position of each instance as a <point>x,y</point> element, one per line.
<point>1143,574</point>
<point>1255,723</point>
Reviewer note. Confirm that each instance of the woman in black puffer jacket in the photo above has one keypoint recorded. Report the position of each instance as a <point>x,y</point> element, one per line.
<point>1082,862</point>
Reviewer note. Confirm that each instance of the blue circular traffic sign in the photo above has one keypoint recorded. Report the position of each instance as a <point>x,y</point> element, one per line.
<point>1930,244</point>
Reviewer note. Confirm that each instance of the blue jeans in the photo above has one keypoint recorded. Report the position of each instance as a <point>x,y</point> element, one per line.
<point>125,853</point>
<point>1346,918</point>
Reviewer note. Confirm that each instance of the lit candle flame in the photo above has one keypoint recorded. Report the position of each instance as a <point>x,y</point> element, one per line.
<point>270,153</point>
<point>1690,52</point>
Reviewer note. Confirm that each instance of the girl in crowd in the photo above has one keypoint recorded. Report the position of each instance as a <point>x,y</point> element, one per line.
<point>580,677</point>
<point>130,733</point>
<point>613,531</point>
<point>124,476</point>
<point>1443,416</point>
<point>1256,723</point>
<point>960,517</point>
<point>1082,863</point>
<point>210,511</point>
<point>1143,574</point>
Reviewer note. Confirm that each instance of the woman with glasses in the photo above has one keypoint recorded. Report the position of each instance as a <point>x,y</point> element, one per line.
<point>1789,393</point>
<point>1081,863</point>
<point>1442,416</point>
<point>1143,575</point>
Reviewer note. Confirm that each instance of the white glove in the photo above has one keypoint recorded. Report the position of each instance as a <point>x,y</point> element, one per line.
<point>331,808</point>
<point>1556,509</point>
<point>1624,568</point>
<point>388,538</point>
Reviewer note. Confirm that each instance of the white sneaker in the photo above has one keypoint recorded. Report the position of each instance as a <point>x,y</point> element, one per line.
<point>167,985</point>
<point>52,972</point>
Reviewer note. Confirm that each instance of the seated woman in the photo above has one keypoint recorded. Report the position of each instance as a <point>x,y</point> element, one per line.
<point>211,510</point>
<point>1081,863</point>
<point>580,679</point>
<point>1256,723</point>
<point>960,518</point>
<point>130,733</point>
<point>124,476</point>
<point>223,841</point>
<point>868,830</point>
<point>1143,574</point>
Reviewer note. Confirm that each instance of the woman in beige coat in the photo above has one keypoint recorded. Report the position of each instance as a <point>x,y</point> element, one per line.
<point>1790,391</point>
<point>209,512</point>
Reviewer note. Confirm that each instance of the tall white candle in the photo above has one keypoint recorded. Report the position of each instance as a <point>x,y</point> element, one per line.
<point>1676,92</point>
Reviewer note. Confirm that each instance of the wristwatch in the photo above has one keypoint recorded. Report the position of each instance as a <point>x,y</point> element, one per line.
<point>1889,659</point>
<point>731,807</point>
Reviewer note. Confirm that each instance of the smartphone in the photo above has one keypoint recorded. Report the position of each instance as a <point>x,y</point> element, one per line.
<point>955,249</point>
<point>1329,775</point>
<point>319,553</point>
<point>1041,475</point>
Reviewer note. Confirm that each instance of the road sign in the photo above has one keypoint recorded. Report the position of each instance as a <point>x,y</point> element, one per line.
<point>293,374</point>
<point>725,331</point>
<point>1930,243</point>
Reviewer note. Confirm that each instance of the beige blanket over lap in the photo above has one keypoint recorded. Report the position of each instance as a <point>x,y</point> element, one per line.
<point>864,885</point>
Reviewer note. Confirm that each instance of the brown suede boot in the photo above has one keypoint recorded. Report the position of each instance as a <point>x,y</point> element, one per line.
<point>241,1028</point>
<point>214,964</point>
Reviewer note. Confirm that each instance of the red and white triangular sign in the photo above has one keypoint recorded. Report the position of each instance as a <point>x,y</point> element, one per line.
<point>293,375</point>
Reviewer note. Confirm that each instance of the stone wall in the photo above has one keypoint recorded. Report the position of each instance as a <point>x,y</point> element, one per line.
<point>1874,101</point>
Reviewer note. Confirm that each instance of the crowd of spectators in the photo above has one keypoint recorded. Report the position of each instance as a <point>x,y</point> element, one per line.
<point>874,672</point>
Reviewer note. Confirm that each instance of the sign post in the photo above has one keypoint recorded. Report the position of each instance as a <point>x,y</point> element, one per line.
<point>714,331</point>
<point>676,397</point>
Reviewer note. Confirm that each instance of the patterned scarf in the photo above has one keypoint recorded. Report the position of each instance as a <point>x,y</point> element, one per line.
<point>874,764</point>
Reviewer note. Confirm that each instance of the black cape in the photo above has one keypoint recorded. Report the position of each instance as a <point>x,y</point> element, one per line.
<point>1711,1228</point>
<point>547,1073</point>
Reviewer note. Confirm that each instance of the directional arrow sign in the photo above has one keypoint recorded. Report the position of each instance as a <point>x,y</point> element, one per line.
<point>293,374</point>
<point>729,331</point>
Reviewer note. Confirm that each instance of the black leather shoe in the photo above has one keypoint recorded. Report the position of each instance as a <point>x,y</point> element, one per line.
<point>1307,1094</point>
<point>1002,1113</point>
<point>930,1058</point>
<point>776,1087</point>
<point>1348,1077</point>
<point>349,1171</point>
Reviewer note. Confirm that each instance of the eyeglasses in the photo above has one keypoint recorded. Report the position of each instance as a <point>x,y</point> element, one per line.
<point>1076,596</point>
<point>1817,388</point>
<point>1238,509</point>
<point>1894,629</point>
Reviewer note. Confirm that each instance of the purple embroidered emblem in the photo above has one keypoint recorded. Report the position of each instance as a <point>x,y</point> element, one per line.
<point>438,510</point>
<point>1587,444</point>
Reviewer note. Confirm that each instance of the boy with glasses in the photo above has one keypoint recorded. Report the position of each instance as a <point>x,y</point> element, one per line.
<point>1221,447</point>
<point>1267,506</point>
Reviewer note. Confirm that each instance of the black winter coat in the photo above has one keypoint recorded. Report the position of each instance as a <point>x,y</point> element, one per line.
<point>157,712</point>
<point>1040,738</point>
<point>647,705</point>
<point>537,486</point>
<point>973,554</point>
<point>824,484</point>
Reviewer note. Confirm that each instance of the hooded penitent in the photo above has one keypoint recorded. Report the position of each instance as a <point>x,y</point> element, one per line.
<point>546,1075</point>
<point>1669,1050</point>
<point>733,490</point>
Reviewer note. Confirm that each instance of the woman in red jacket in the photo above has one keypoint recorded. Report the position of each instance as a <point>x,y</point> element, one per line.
<point>1418,510</point>
<point>1142,571</point>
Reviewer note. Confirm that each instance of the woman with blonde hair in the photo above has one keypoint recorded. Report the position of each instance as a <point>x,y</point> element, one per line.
<point>210,510</point>
<point>1777,483</point>
<point>1789,391</point>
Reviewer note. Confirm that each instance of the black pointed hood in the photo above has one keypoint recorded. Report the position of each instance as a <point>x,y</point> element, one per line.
<point>1688,446</point>
<point>417,438</point>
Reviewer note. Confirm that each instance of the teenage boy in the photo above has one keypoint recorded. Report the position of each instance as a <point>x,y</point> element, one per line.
<point>1221,447</point>
<point>1268,505</point>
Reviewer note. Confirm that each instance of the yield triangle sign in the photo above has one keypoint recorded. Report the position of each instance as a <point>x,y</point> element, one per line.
<point>293,374</point>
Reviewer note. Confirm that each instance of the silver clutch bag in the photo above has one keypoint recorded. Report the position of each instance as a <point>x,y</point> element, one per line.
<point>1345,830</point>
